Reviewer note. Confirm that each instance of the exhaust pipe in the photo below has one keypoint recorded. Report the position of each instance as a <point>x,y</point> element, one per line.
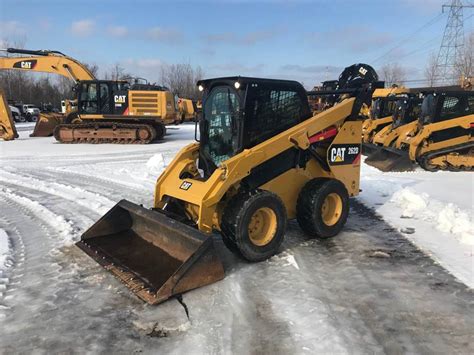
<point>154,255</point>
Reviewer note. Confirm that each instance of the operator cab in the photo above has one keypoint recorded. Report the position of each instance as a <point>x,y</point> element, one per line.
<point>102,97</point>
<point>241,112</point>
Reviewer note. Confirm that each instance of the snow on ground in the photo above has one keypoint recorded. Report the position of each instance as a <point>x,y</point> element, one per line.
<point>366,291</point>
<point>434,210</point>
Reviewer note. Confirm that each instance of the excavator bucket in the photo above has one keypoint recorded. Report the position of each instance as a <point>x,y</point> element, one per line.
<point>46,123</point>
<point>152,254</point>
<point>390,159</point>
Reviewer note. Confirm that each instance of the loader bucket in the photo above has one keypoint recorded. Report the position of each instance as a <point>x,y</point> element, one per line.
<point>390,159</point>
<point>152,254</point>
<point>46,123</point>
<point>369,148</point>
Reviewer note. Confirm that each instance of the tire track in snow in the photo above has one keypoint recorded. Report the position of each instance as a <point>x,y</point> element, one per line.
<point>84,198</point>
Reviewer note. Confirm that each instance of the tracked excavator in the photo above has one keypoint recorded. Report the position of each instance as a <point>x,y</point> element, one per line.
<point>441,138</point>
<point>261,159</point>
<point>46,62</point>
<point>107,111</point>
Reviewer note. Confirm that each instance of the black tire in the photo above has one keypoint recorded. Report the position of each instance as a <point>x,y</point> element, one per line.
<point>238,215</point>
<point>310,203</point>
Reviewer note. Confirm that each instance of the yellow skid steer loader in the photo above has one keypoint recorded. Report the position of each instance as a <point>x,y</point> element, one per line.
<point>262,158</point>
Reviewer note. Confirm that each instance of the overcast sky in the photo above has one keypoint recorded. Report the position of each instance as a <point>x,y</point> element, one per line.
<point>308,41</point>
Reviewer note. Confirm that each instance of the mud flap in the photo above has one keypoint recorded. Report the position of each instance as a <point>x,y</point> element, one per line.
<point>152,254</point>
<point>390,159</point>
<point>46,124</point>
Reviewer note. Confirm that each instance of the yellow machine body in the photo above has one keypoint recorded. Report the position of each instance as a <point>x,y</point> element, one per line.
<point>186,110</point>
<point>204,198</point>
<point>7,125</point>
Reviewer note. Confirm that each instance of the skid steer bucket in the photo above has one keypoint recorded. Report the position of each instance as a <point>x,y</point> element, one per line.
<point>46,123</point>
<point>152,254</point>
<point>369,148</point>
<point>390,159</point>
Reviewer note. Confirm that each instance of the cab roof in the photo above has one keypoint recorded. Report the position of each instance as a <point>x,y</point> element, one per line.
<point>245,80</point>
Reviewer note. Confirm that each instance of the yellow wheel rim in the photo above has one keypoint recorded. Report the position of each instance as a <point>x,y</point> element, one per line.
<point>331,209</point>
<point>262,227</point>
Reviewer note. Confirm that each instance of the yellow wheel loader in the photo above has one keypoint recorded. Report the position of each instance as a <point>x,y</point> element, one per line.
<point>7,125</point>
<point>262,158</point>
<point>441,140</point>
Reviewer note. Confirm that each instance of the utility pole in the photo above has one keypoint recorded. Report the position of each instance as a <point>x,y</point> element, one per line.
<point>452,43</point>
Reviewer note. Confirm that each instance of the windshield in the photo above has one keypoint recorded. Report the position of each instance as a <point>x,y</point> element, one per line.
<point>221,110</point>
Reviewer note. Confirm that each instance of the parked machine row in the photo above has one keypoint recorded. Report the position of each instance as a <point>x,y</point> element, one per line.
<point>103,111</point>
<point>429,127</point>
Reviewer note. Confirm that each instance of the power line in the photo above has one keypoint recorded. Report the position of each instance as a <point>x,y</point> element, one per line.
<point>402,41</point>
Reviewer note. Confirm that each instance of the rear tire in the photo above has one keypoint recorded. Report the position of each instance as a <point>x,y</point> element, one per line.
<point>256,223</point>
<point>322,207</point>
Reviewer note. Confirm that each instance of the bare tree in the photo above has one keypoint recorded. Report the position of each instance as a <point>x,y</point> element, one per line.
<point>393,74</point>
<point>465,61</point>
<point>181,79</point>
<point>117,73</point>
<point>431,71</point>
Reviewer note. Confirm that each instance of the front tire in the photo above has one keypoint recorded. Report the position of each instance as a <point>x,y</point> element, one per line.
<point>256,223</point>
<point>322,207</point>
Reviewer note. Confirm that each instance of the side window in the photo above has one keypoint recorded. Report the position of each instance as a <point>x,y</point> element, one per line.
<point>452,107</point>
<point>270,112</point>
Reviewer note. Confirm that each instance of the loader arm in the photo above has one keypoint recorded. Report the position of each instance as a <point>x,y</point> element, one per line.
<point>205,195</point>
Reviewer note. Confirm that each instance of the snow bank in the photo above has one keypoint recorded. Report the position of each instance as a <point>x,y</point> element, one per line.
<point>434,210</point>
<point>155,165</point>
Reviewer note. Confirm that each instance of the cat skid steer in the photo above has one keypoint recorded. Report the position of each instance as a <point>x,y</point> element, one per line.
<point>262,158</point>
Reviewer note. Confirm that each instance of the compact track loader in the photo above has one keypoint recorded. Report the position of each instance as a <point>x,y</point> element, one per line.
<point>404,122</point>
<point>262,158</point>
<point>380,114</point>
<point>441,140</point>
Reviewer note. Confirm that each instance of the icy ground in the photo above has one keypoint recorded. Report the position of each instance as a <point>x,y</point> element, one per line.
<point>368,290</point>
<point>434,210</point>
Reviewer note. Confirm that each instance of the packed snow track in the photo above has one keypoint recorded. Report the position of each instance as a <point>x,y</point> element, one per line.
<point>368,290</point>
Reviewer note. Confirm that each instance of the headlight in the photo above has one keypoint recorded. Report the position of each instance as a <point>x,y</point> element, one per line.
<point>237,85</point>
<point>201,88</point>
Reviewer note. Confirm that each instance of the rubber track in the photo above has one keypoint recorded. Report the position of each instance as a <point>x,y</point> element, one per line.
<point>106,125</point>
<point>424,160</point>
